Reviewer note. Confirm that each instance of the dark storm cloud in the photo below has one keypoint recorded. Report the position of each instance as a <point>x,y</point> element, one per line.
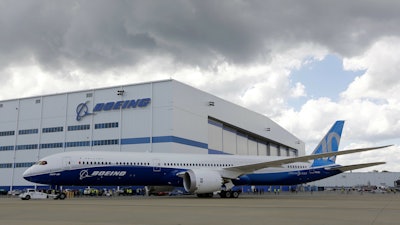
<point>97,35</point>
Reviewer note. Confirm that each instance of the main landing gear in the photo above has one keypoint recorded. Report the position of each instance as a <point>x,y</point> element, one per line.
<point>229,194</point>
<point>222,194</point>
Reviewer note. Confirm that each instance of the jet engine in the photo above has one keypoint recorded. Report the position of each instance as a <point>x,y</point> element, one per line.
<point>201,181</point>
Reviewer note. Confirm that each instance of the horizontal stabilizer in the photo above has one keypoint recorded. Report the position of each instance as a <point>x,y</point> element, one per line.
<point>355,166</point>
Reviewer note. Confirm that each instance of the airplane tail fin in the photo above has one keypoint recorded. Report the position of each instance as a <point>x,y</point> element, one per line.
<point>330,143</point>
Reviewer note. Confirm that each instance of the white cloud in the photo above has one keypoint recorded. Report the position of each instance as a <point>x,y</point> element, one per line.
<point>298,91</point>
<point>382,65</point>
<point>370,106</point>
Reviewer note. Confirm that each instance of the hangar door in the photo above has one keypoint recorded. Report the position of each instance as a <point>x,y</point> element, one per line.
<point>226,139</point>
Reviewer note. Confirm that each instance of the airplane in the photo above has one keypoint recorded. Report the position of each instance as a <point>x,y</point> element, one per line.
<point>199,174</point>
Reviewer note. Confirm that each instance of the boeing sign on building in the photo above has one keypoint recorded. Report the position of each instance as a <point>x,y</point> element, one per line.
<point>82,109</point>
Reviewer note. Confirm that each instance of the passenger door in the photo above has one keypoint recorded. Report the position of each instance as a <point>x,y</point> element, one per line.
<point>156,165</point>
<point>66,163</point>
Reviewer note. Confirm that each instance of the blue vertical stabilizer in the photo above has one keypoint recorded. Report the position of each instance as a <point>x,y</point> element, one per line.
<point>330,143</point>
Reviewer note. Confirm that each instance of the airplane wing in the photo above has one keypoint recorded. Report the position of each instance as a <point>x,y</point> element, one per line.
<point>355,166</point>
<point>243,169</point>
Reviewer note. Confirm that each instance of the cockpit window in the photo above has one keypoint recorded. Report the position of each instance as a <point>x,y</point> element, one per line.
<point>41,163</point>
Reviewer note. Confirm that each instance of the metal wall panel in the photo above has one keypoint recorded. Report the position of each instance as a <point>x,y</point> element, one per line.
<point>230,144</point>
<point>273,150</point>
<point>252,147</point>
<point>242,148</point>
<point>215,137</point>
<point>262,149</point>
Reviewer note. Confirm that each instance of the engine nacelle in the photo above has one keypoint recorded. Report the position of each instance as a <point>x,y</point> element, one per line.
<point>201,181</point>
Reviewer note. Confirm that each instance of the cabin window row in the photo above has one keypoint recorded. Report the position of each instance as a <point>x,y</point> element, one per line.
<point>198,164</point>
<point>148,164</point>
<point>297,167</point>
<point>117,163</point>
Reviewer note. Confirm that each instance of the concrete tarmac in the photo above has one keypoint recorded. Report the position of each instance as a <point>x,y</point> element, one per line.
<point>326,208</point>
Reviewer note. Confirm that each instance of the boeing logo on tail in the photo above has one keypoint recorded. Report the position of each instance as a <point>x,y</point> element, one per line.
<point>199,174</point>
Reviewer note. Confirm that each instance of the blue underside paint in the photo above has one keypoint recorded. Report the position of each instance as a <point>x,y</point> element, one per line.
<point>285,178</point>
<point>134,175</point>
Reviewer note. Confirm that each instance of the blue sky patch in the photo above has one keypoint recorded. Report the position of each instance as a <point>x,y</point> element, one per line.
<point>324,78</point>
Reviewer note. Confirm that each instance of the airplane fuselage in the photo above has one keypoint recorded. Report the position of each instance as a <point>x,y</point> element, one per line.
<point>157,169</point>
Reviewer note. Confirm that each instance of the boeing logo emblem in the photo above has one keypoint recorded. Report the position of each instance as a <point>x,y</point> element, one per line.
<point>82,109</point>
<point>85,174</point>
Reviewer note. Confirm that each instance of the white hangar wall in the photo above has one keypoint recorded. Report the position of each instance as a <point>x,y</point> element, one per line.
<point>162,116</point>
<point>232,129</point>
<point>359,179</point>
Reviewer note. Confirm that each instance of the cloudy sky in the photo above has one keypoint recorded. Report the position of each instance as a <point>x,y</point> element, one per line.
<point>304,64</point>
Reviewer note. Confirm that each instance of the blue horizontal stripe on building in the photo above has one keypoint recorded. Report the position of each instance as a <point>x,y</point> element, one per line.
<point>164,139</point>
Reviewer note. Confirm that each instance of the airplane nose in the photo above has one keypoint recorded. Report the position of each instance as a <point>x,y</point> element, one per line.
<point>27,174</point>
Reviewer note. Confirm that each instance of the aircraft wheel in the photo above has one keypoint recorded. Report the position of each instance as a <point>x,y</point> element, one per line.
<point>62,196</point>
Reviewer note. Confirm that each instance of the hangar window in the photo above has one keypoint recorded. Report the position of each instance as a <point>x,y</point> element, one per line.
<point>105,125</point>
<point>105,142</point>
<point>24,164</point>
<point>6,148</point>
<point>79,127</point>
<point>28,131</point>
<point>52,145</point>
<point>27,147</point>
<point>5,165</point>
<point>7,133</point>
<point>89,95</point>
<point>52,129</point>
<point>77,144</point>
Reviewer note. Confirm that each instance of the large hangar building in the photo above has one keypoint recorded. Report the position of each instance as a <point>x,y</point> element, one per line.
<point>162,116</point>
